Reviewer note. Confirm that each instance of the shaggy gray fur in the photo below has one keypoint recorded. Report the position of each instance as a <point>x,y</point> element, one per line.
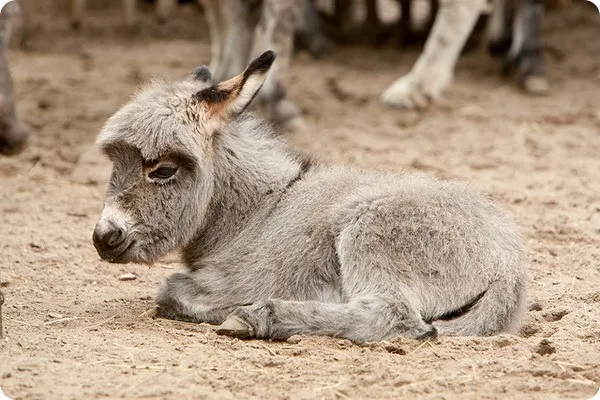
<point>276,244</point>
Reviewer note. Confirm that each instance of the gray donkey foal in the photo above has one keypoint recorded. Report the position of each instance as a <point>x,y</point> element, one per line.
<point>276,244</point>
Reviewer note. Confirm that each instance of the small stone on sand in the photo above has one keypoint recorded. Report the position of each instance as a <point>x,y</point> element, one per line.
<point>128,277</point>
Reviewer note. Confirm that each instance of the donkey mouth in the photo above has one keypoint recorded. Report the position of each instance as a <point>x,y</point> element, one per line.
<point>118,255</point>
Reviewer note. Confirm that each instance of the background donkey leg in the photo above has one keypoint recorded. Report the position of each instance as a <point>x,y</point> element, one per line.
<point>275,31</point>
<point>13,133</point>
<point>164,9</point>
<point>310,32</point>
<point>77,12</point>
<point>241,17</point>
<point>433,70</point>
<point>526,50</point>
<point>216,12</point>
<point>514,32</point>
<point>130,13</point>
<point>500,26</point>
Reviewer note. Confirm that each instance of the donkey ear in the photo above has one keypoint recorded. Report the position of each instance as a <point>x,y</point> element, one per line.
<point>229,98</point>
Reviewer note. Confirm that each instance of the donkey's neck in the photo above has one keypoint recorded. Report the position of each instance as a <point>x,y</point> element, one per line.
<point>253,169</point>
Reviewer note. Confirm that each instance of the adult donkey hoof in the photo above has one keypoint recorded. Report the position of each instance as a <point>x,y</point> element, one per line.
<point>406,93</point>
<point>13,139</point>
<point>536,85</point>
<point>295,125</point>
<point>235,327</point>
<point>287,114</point>
<point>415,91</point>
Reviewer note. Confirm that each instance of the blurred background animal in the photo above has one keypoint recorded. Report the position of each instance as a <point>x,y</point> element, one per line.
<point>242,29</point>
<point>13,132</point>
<point>448,26</point>
<point>163,8</point>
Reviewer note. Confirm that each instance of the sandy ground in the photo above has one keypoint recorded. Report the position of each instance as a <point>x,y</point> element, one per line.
<point>74,330</point>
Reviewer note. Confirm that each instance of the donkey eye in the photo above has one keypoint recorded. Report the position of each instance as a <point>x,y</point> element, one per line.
<point>163,172</point>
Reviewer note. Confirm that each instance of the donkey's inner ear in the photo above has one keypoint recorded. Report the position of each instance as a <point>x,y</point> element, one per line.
<point>229,98</point>
<point>202,74</point>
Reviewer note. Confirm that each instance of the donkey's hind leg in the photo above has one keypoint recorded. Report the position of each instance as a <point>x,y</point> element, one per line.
<point>366,319</point>
<point>376,306</point>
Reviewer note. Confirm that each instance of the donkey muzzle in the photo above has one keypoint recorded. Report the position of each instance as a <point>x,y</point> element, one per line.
<point>110,240</point>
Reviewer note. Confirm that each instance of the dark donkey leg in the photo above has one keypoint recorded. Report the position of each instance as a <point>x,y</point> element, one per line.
<point>515,34</point>
<point>1,326</point>
<point>275,30</point>
<point>242,19</point>
<point>13,134</point>
<point>526,50</point>
<point>310,34</point>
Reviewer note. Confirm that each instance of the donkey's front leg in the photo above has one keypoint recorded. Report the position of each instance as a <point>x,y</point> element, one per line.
<point>181,298</point>
<point>362,320</point>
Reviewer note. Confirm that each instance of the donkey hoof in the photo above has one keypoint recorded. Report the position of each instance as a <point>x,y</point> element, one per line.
<point>235,327</point>
<point>536,85</point>
<point>13,139</point>
<point>431,334</point>
<point>284,111</point>
<point>296,125</point>
<point>406,93</point>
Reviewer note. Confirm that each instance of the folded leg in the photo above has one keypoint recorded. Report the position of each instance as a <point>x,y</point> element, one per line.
<point>181,298</point>
<point>362,320</point>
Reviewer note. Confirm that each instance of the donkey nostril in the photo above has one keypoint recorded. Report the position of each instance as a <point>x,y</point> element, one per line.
<point>114,238</point>
<point>107,236</point>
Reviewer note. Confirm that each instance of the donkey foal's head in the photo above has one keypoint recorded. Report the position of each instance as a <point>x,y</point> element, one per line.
<point>161,146</point>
